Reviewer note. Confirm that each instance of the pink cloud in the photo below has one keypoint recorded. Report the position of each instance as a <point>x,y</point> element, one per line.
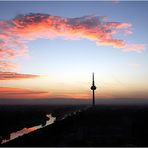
<point>127,32</point>
<point>15,33</point>
<point>134,47</point>
<point>8,65</point>
<point>16,76</point>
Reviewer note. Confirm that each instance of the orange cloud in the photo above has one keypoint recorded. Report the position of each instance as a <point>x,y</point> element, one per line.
<point>15,33</point>
<point>21,93</point>
<point>17,93</point>
<point>81,95</point>
<point>16,76</point>
<point>78,95</point>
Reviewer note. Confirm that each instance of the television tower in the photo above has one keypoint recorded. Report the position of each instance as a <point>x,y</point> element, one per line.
<point>93,88</point>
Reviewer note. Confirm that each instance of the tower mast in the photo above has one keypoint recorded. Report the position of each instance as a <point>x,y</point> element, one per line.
<point>93,88</point>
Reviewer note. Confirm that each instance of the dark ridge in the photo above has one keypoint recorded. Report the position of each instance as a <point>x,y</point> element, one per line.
<point>16,117</point>
<point>97,126</point>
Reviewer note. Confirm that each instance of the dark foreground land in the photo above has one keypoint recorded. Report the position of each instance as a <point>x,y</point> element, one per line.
<point>98,126</point>
<point>16,117</point>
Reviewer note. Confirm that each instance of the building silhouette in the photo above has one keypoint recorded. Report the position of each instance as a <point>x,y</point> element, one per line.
<point>93,88</point>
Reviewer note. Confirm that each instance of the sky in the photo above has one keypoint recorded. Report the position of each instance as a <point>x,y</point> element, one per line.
<point>49,49</point>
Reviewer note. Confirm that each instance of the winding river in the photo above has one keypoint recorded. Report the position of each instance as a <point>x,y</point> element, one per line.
<point>28,130</point>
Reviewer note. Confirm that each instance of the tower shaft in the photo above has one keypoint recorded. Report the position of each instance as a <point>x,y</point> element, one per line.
<point>93,88</point>
<point>93,101</point>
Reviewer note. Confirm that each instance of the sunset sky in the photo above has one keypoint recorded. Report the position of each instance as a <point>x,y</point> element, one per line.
<point>50,49</point>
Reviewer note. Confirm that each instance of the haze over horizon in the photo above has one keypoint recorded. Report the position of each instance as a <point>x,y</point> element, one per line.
<point>50,49</point>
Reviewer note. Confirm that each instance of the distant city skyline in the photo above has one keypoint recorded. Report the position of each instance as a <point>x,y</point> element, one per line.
<point>49,49</point>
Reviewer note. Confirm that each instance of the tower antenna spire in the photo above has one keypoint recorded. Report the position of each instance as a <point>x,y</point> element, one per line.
<point>93,88</point>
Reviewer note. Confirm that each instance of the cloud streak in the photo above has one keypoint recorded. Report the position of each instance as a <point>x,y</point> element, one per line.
<point>16,33</point>
<point>16,76</point>
<point>17,93</point>
<point>7,65</point>
<point>135,47</point>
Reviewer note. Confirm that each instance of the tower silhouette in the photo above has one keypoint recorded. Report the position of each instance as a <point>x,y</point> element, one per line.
<point>93,88</point>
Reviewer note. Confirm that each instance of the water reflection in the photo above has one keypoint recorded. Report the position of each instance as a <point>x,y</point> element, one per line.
<point>28,130</point>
